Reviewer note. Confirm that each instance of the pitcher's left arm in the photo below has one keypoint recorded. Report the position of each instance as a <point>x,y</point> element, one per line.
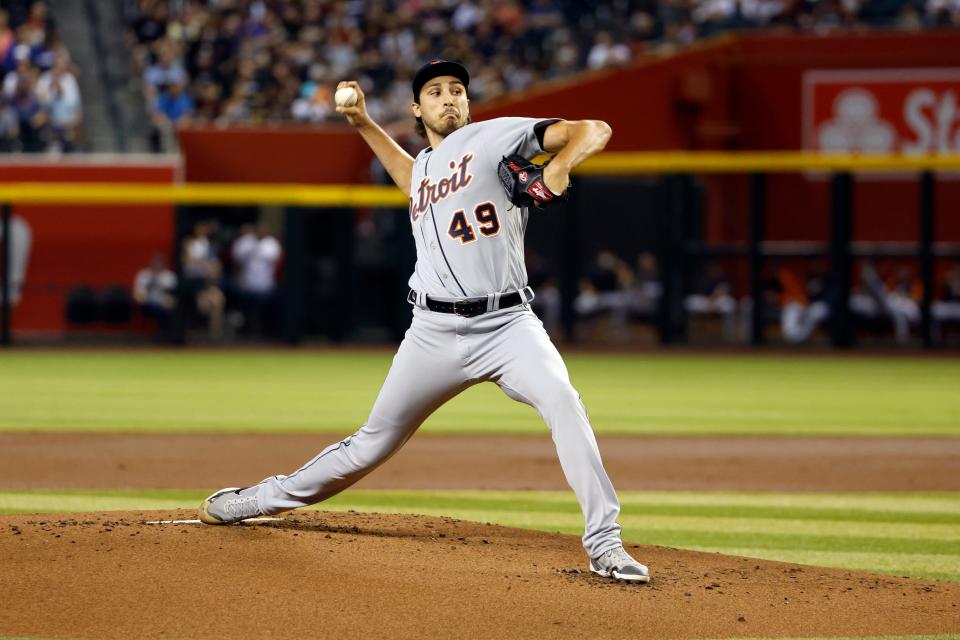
<point>573,141</point>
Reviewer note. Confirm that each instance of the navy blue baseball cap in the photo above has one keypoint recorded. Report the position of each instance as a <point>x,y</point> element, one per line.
<point>436,68</point>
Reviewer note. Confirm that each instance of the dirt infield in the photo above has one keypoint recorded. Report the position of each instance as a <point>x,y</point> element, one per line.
<point>34,461</point>
<point>350,575</point>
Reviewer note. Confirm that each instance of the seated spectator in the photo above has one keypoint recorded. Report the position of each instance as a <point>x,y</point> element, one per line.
<point>31,117</point>
<point>714,296</point>
<point>647,288</point>
<point>201,272</point>
<point>607,289</point>
<point>59,94</point>
<point>895,301</point>
<point>803,306</point>
<point>256,255</point>
<point>172,107</point>
<point>946,310</point>
<point>546,302</point>
<point>154,291</point>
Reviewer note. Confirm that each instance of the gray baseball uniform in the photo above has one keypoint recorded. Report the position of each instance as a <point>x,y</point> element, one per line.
<point>469,241</point>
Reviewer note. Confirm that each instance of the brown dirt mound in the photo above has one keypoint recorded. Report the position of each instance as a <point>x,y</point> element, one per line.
<point>346,575</point>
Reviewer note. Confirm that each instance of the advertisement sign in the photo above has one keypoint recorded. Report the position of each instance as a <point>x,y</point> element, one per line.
<point>910,111</point>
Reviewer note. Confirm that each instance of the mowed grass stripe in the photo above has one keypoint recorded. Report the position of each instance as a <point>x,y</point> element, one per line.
<point>299,391</point>
<point>919,549</point>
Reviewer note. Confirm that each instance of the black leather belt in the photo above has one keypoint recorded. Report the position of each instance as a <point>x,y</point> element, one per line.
<point>468,307</point>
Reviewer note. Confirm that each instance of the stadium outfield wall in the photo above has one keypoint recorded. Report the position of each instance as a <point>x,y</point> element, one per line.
<point>89,244</point>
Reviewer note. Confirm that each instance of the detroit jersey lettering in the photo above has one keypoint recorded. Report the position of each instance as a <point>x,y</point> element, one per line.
<point>469,236</point>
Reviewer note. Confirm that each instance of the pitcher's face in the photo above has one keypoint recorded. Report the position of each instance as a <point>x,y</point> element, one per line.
<point>443,106</point>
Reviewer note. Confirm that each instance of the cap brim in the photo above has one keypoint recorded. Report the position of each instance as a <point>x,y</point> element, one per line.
<point>437,69</point>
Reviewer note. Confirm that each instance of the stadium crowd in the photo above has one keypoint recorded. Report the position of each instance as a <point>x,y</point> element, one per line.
<point>40,105</point>
<point>229,61</point>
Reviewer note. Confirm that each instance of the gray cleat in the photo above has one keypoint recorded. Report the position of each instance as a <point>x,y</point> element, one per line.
<point>230,505</point>
<point>618,564</point>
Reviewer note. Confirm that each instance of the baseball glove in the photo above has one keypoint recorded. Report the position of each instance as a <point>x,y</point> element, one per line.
<point>523,182</point>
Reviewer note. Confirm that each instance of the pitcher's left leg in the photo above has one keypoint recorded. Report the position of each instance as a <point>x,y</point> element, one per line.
<point>529,369</point>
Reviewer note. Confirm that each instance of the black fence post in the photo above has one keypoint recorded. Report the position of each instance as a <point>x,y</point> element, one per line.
<point>570,261</point>
<point>841,229</point>
<point>758,212</point>
<point>5,284</point>
<point>294,280</point>
<point>181,229</point>
<point>343,296</point>
<point>927,215</point>
<point>672,322</point>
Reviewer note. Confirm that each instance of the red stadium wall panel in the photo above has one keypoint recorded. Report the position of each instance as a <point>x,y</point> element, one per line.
<point>332,155</point>
<point>97,246</point>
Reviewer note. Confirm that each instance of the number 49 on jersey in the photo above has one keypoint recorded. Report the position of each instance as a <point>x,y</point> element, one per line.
<point>487,219</point>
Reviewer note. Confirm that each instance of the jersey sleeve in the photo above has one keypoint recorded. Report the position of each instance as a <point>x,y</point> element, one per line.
<point>523,136</point>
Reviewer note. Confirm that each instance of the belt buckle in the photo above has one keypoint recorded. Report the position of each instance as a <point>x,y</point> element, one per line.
<point>463,309</point>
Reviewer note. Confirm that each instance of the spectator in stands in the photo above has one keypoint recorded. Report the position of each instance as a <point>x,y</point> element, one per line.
<point>166,71</point>
<point>256,255</point>
<point>201,273</point>
<point>154,291</point>
<point>281,59</point>
<point>36,112</point>
<point>59,94</point>
<point>714,296</point>
<point>606,52</point>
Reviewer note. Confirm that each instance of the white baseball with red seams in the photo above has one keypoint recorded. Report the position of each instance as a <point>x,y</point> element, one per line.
<point>346,97</point>
<point>469,240</point>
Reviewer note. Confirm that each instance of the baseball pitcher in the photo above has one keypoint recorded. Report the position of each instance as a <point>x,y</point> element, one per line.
<point>470,194</point>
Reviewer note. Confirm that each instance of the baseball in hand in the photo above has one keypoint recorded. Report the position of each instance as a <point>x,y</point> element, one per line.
<point>346,97</point>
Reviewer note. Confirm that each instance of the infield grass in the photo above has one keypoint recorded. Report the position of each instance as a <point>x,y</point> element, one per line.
<point>332,391</point>
<point>905,534</point>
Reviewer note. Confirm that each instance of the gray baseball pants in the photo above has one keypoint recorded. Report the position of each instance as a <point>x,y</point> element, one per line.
<point>440,356</point>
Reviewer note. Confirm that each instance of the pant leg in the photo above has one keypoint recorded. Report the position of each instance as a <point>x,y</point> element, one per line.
<point>522,360</point>
<point>426,372</point>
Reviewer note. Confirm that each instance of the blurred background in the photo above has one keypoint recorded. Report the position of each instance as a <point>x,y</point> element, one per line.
<point>240,91</point>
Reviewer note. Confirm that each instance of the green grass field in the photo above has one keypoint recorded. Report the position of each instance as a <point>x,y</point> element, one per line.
<point>900,534</point>
<point>905,534</point>
<point>295,391</point>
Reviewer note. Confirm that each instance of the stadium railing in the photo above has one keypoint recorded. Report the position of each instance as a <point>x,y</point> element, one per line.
<point>677,169</point>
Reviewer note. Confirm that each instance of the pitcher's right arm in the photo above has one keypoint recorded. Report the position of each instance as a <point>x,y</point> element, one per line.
<point>395,160</point>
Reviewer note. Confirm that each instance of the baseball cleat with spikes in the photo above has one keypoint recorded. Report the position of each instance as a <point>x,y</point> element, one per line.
<point>230,505</point>
<point>618,564</point>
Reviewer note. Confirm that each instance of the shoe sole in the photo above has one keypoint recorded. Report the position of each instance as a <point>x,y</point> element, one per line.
<point>619,576</point>
<point>205,516</point>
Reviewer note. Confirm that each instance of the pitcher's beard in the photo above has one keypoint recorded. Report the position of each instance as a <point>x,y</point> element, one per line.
<point>445,126</point>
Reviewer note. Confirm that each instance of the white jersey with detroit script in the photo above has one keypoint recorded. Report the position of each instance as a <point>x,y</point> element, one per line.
<point>469,236</point>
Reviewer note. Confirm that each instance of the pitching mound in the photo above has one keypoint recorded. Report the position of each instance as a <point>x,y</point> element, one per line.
<point>333,575</point>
